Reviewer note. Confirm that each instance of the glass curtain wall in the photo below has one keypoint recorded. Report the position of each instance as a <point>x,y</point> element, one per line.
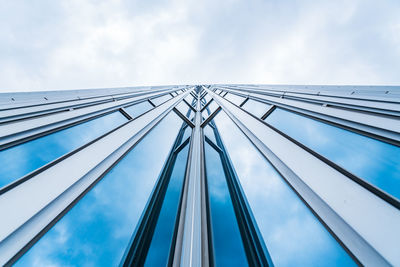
<point>130,215</point>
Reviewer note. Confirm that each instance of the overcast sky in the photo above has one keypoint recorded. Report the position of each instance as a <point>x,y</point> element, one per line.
<point>50,45</point>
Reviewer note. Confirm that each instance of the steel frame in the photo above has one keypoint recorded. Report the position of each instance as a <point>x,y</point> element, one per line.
<point>342,203</point>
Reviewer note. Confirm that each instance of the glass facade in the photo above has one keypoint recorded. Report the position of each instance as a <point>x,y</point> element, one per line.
<point>20,160</point>
<point>204,175</point>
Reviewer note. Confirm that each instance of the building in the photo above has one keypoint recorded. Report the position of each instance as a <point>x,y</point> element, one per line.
<point>226,175</point>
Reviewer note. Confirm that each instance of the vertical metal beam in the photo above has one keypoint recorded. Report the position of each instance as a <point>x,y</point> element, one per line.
<point>192,245</point>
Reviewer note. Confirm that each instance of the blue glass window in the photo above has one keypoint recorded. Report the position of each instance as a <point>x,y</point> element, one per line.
<point>184,109</point>
<point>291,232</point>
<point>207,98</point>
<point>161,242</point>
<point>97,230</point>
<point>187,133</point>
<point>209,132</point>
<point>190,99</point>
<point>161,99</point>
<point>375,161</point>
<point>210,109</point>
<point>138,109</point>
<point>227,241</point>
<point>256,108</point>
<point>22,159</point>
<point>235,98</point>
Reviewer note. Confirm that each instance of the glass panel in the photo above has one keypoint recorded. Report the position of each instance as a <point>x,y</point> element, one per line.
<point>161,99</point>
<point>203,102</point>
<point>138,109</point>
<point>207,98</point>
<point>292,234</point>
<point>227,242</point>
<point>235,98</point>
<point>97,230</point>
<point>22,159</point>
<point>163,233</point>
<point>256,108</point>
<point>183,108</point>
<point>375,161</point>
<point>210,109</point>
<point>187,133</point>
<point>209,132</point>
<point>189,98</point>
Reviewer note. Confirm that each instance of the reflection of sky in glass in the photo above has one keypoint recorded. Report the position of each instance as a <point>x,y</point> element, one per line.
<point>138,109</point>
<point>292,234</point>
<point>22,159</point>
<point>227,242</point>
<point>97,230</point>
<point>186,133</point>
<point>161,99</point>
<point>183,108</point>
<point>256,108</point>
<point>210,109</point>
<point>209,132</point>
<point>163,233</point>
<point>235,98</point>
<point>189,98</point>
<point>207,98</point>
<point>373,160</point>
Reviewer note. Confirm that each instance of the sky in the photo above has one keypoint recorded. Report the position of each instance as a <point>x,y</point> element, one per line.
<point>53,45</point>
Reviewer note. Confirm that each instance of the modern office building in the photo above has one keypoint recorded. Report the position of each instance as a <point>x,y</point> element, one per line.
<point>202,175</point>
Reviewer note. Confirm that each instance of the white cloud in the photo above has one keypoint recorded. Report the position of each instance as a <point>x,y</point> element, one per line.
<point>94,43</point>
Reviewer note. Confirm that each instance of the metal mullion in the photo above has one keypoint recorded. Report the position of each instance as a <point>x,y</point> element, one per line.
<point>354,104</point>
<point>207,211</point>
<point>137,249</point>
<point>269,111</point>
<point>327,212</point>
<point>256,250</point>
<point>211,143</point>
<point>34,209</point>
<point>28,176</point>
<point>192,244</point>
<point>206,105</point>
<point>181,146</point>
<point>53,130</point>
<point>190,106</point>
<point>210,117</point>
<point>125,113</point>
<point>193,95</point>
<point>86,102</point>
<point>318,92</point>
<point>151,102</point>
<point>342,118</point>
<point>244,102</point>
<point>25,116</point>
<point>362,105</point>
<point>183,117</point>
<point>375,190</point>
<point>28,130</point>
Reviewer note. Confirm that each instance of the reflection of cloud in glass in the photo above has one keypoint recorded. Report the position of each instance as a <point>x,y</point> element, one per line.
<point>163,233</point>
<point>138,109</point>
<point>375,161</point>
<point>234,98</point>
<point>25,158</point>
<point>227,242</point>
<point>161,99</point>
<point>209,132</point>
<point>256,108</point>
<point>292,234</point>
<point>97,230</point>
